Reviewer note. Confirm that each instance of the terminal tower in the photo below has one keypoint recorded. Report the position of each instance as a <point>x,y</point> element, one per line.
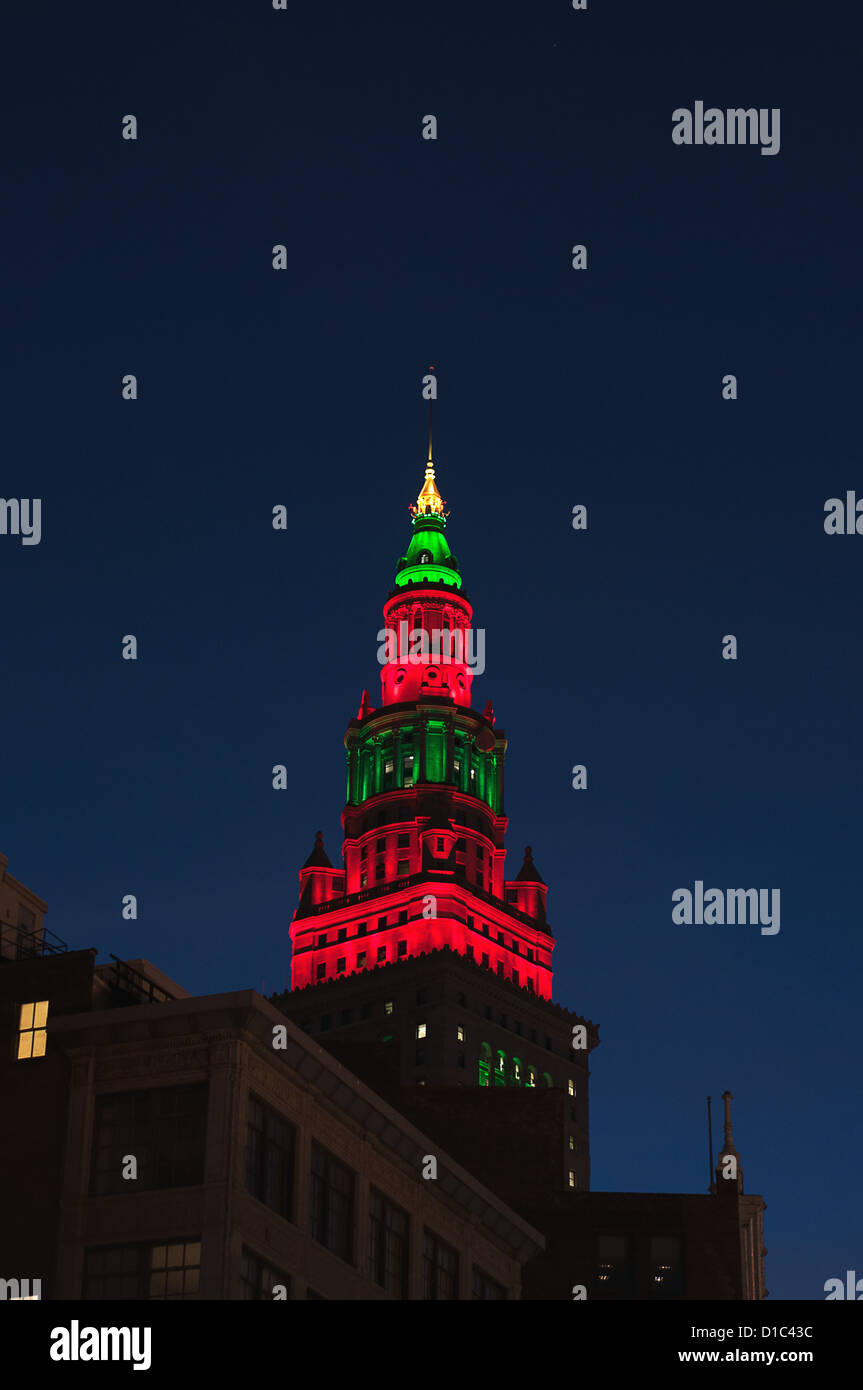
<point>419,940</point>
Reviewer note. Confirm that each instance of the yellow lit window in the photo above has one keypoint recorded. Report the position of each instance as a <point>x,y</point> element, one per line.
<point>571,1178</point>
<point>460,1033</point>
<point>388,1007</point>
<point>421,1030</point>
<point>571,1087</point>
<point>31,1030</point>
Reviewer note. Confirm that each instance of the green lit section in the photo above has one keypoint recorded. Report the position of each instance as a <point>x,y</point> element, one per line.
<point>392,761</point>
<point>427,574</point>
<point>435,751</point>
<point>429,558</point>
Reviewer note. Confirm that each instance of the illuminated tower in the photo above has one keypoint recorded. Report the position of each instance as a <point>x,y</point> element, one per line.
<point>421,927</point>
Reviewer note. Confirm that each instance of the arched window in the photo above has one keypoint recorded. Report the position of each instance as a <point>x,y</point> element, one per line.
<point>500,1068</point>
<point>484,1064</point>
<point>516,1072</point>
<point>547,1079</point>
<point>531,1077</point>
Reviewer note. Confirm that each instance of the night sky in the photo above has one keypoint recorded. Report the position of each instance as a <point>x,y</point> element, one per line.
<point>556,387</point>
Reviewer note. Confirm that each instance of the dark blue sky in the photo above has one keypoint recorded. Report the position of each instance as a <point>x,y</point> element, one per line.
<point>556,387</point>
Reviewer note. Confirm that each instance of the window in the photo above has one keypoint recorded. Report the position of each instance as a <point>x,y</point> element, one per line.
<point>341,965</point>
<point>364,880</point>
<point>515,946</point>
<point>143,1271</point>
<point>666,1268</point>
<point>572,1177</point>
<point>321,971</point>
<point>403,948</point>
<point>485,930</point>
<point>515,977</point>
<point>440,844</point>
<point>364,852</point>
<point>361,960</point>
<point>165,1130</point>
<point>32,1030</point>
<point>403,917</point>
<point>403,841</point>
<point>570,1085</point>
<point>381,846</point>
<point>368,1010</point>
<point>388,1006</point>
<point>440,1268</point>
<point>388,1245</point>
<point>616,1267</point>
<point>572,1143</point>
<point>421,1030</point>
<point>460,844</point>
<point>422,996</point>
<point>420,1059</point>
<point>459,1033</point>
<point>347,1016</point>
<point>485,958</point>
<point>270,1146</point>
<point>511,895</point>
<point>331,1203</point>
<point>461,1060</point>
<point>469,923</point>
<point>484,1064</point>
<point>486,1287</point>
<point>382,921</point>
<point>343,933</point>
<point>361,929</point>
<point>403,866</point>
<point>382,953</point>
<point>379,873</point>
<point>322,940</point>
<point>500,967</point>
<point>500,938</point>
<point>531,1077</point>
<point>530,953</point>
<point>469,950</point>
<point>259,1278</point>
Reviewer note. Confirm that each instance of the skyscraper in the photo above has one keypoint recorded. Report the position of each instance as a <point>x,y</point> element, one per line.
<point>420,938</point>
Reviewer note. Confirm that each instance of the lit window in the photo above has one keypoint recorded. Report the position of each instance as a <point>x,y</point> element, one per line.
<point>388,765</point>
<point>31,1030</point>
<point>421,1030</point>
<point>571,1087</point>
<point>340,965</point>
<point>382,953</point>
<point>572,1144</point>
<point>572,1177</point>
<point>361,959</point>
<point>388,1006</point>
<point>459,1033</point>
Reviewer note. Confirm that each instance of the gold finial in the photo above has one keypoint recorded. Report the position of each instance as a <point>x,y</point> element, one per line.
<point>429,502</point>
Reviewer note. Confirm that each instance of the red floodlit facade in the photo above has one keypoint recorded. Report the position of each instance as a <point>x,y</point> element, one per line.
<point>424,822</point>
